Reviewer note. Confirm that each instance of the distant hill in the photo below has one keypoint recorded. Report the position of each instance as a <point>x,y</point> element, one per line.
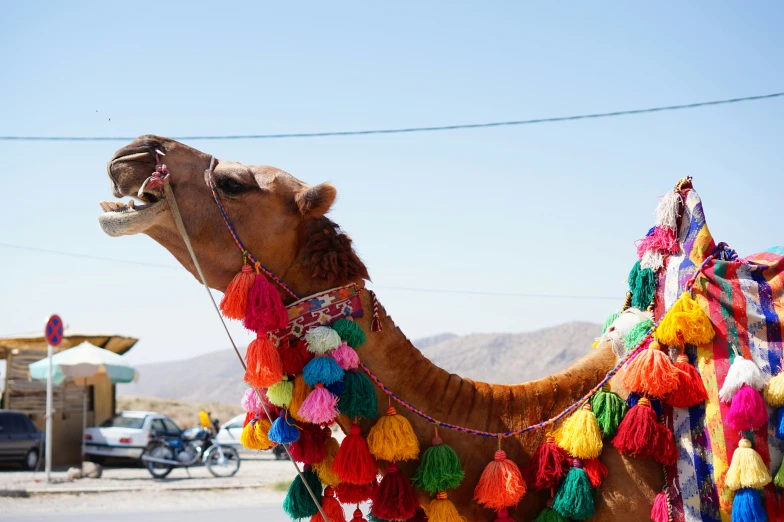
<point>496,358</point>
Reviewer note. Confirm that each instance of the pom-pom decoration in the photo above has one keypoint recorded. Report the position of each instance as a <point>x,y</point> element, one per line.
<point>283,431</point>
<point>359,397</point>
<point>350,332</point>
<point>637,432</point>
<point>747,469</point>
<point>690,390</point>
<point>747,410</point>
<point>354,463</point>
<point>779,478</point>
<point>549,464</point>
<point>320,407</point>
<point>331,507</point>
<point>774,390</point>
<point>742,371</point>
<point>293,357</point>
<point>596,471</point>
<point>348,493</point>
<point>501,484</point>
<point>660,511</point>
<point>263,363</point>
<point>392,438</point>
<point>609,409</point>
<point>685,323</point>
<point>280,393</point>
<point>322,340</point>
<point>550,515</point>
<point>668,210</point>
<point>651,372</point>
<point>346,357</point>
<point>324,370</point>
<point>580,435</point>
<point>310,448</point>
<point>255,400</point>
<point>574,499</point>
<point>234,303</point>
<point>442,509</point>
<point>394,499</point>
<point>439,469</point>
<point>665,451</point>
<point>298,503</point>
<point>324,468</point>
<point>636,334</point>
<point>747,506</point>
<point>778,428</point>
<point>265,311</point>
<point>298,395</point>
<point>254,435</point>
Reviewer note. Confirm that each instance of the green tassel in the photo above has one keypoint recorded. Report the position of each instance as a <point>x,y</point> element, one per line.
<point>610,320</point>
<point>636,334</point>
<point>439,469</point>
<point>281,392</point>
<point>645,289</point>
<point>574,498</point>
<point>779,478</point>
<point>350,332</point>
<point>609,409</point>
<point>633,275</point>
<point>358,398</point>
<point>550,515</point>
<point>298,503</point>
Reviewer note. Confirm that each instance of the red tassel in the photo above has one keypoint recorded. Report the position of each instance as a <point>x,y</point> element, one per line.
<point>503,516</point>
<point>249,416</point>
<point>234,303</point>
<point>395,498</point>
<point>637,432</point>
<point>355,493</point>
<point>549,465</point>
<point>294,357</point>
<point>358,516</point>
<point>501,484</point>
<point>331,507</point>
<point>263,364</point>
<point>665,452</point>
<point>747,410</point>
<point>660,513</point>
<point>354,463</point>
<point>311,447</point>
<point>596,471</point>
<point>265,312</point>
<point>691,391</point>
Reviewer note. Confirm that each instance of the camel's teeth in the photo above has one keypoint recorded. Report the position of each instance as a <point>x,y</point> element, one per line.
<point>104,205</point>
<point>159,153</point>
<point>131,205</point>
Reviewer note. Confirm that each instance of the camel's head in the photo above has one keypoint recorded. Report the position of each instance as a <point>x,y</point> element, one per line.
<point>279,218</point>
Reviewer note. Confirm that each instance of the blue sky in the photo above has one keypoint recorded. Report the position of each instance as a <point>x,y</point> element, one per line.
<point>544,209</point>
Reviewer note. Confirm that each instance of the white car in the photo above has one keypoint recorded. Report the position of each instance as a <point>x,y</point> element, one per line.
<point>127,434</point>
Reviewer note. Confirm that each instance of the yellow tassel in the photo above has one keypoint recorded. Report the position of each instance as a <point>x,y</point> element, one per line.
<point>441,509</point>
<point>747,470</point>
<point>247,437</point>
<point>254,435</point>
<point>685,323</point>
<point>595,343</point>
<point>324,468</point>
<point>580,435</point>
<point>392,438</point>
<point>298,396</point>
<point>774,391</point>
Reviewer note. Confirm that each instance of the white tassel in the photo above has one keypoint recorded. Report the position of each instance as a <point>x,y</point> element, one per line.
<point>652,259</point>
<point>322,339</point>
<point>741,372</point>
<point>667,211</point>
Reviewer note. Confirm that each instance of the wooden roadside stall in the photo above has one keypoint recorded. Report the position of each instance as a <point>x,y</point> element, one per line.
<point>23,394</point>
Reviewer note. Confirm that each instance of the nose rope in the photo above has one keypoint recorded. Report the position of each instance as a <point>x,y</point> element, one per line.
<point>169,194</point>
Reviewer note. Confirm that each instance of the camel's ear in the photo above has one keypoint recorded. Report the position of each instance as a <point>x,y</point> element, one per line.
<point>316,200</point>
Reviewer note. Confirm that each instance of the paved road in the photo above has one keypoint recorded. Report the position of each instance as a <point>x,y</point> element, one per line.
<point>267,514</point>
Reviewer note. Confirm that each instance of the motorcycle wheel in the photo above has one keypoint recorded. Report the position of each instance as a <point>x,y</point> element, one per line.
<point>159,450</point>
<point>226,465</point>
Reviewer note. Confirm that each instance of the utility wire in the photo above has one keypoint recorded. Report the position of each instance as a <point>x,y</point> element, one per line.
<point>412,129</point>
<point>400,288</point>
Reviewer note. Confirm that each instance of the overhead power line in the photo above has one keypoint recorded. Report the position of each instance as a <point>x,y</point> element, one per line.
<point>402,288</point>
<point>412,129</point>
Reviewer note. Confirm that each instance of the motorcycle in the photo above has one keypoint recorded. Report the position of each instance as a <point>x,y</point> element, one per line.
<point>193,447</point>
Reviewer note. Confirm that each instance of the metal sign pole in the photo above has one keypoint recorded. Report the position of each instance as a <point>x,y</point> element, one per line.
<point>50,355</point>
<point>84,416</point>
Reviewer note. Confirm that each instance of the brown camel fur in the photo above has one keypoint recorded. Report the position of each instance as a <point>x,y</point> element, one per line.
<point>281,221</point>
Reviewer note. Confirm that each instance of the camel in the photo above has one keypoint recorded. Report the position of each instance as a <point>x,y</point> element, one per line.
<point>282,222</point>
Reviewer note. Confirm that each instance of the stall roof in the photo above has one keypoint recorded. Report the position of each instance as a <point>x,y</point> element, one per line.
<point>114,343</point>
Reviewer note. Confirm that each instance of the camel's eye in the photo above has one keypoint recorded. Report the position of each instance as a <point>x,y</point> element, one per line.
<point>231,186</point>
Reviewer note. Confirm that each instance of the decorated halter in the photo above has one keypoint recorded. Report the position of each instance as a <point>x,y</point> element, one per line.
<point>303,371</point>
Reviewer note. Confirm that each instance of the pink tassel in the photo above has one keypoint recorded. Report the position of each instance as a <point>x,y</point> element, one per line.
<point>747,410</point>
<point>250,402</point>
<point>320,406</point>
<point>660,513</point>
<point>662,239</point>
<point>345,356</point>
<point>265,312</point>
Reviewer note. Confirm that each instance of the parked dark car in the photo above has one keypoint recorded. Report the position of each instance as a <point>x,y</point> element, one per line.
<point>20,440</point>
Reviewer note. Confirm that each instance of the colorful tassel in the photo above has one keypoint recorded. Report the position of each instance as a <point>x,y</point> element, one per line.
<point>596,471</point>
<point>609,409</point>
<point>747,506</point>
<point>310,448</point>
<point>392,438</point>
<point>637,432</point>
<point>779,478</point>
<point>668,209</point>
<point>690,391</point>
<point>574,499</point>
<point>251,403</point>
<point>249,416</point>
<point>503,516</point>
<point>660,511</point>
<point>283,431</point>
<point>652,260</point>
<point>685,323</point>
<point>322,369</point>
<point>346,357</point>
<point>280,393</point>
<point>442,509</point>
<point>293,357</point>
<point>549,464</point>
<point>354,463</point>
<point>779,426</point>
<point>651,372</point>
<point>298,503</point>
<point>644,289</point>
<point>665,451</point>
<point>359,397</point>
<point>747,469</point>
<point>661,239</point>
<point>774,391</point>
<point>320,407</point>
<point>636,334</point>
<point>263,363</point>
<point>580,435</point>
<point>634,275</point>
<point>609,321</point>
<point>550,515</point>
<point>395,499</point>
<point>348,493</point>
<point>633,398</point>
<point>265,311</point>
<point>501,484</point>
<point>331,507</point>
<point>747,410</point>
<point>234,303</point>
<point>322,340</point>
<point>742,371</point>
<point>324,468</point>
<point>439,469</point>
<point>298,396</point>
<point>350,332</point>
<point>254,435</point>
<point>357,514</point>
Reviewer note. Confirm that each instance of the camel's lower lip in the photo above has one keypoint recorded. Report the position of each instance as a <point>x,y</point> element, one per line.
<point>120,219</point>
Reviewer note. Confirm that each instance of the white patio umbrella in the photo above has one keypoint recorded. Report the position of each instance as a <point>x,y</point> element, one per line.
<point>85,364</point>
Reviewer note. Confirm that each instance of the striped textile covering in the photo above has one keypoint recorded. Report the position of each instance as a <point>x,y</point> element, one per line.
<point>745,301</point>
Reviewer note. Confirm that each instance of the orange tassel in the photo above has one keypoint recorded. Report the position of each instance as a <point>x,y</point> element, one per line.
<point>652,373</point>
<point>331,507</point>
<point>235,299</point>
<point>501,484</point>
<point>263,364</point>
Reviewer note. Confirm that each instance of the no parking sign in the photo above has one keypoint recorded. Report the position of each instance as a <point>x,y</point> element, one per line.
<point>54,330</point>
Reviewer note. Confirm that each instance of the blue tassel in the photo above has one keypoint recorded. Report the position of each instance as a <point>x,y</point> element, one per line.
<point>337,388</point>
<point>747,506</point>
<point>633,397</point>
<point>282,432</point>
<point>780,423</point>
<point>324,370</point>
